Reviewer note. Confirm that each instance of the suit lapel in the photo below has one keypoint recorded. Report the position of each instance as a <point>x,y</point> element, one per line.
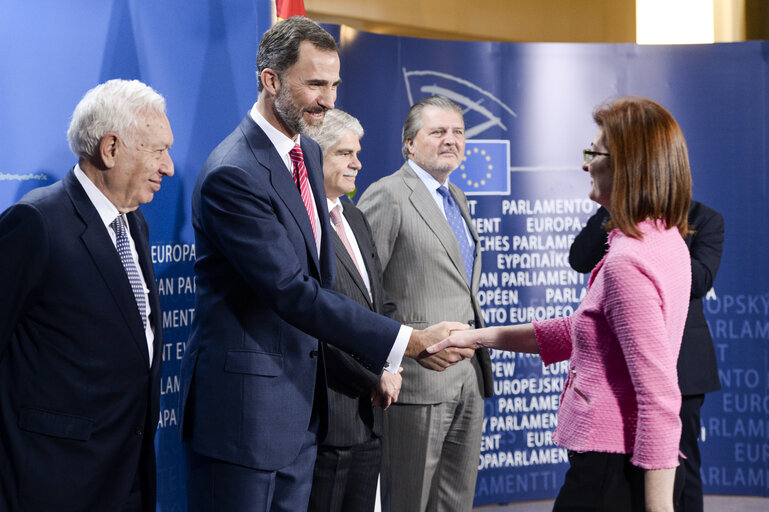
<point>141,241</point>
<point>314,166</point>
<point>280,178</point>
<point>425,206</point>
<point>349,266</point>
<point>106,259</point>
<point>346,259</point>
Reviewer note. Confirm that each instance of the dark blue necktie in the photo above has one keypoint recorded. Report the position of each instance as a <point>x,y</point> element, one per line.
<point>454,216</point>
<point>124,250</point>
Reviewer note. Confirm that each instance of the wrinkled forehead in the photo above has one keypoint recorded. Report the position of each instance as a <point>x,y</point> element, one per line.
<point>153,126</point>
<point>440,117</point>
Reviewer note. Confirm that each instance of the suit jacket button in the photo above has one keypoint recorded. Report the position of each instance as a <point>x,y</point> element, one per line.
<point>313,354</point>
<point>139,431</point>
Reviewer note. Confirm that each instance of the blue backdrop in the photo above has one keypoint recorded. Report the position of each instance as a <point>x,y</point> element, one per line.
<point>201,55</point>
<point>537,99</point>
<point>527,112</point>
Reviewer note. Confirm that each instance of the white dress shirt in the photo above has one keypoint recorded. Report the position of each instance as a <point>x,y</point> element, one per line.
<point>283,145</point>
<point>353,243</point>
<point>108,212</point>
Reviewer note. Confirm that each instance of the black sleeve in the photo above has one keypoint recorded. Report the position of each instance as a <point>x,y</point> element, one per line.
<point>704,246</point>
<point>590,244</point>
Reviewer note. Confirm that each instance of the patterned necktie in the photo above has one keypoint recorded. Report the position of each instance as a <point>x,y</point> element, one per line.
<point>454,216</point>
<point>124,250</point>
<point>300,178</point>
<point>336,220</point>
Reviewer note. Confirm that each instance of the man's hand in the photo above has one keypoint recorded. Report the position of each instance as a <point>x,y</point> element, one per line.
<point>439,361</point>
<point>387,390</point>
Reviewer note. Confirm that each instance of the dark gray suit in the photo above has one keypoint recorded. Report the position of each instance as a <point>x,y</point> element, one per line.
<point>345,475</point>
<point>425,276</point>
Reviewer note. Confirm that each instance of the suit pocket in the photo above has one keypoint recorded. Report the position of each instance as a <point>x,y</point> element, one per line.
<point>581,394</point>
<point>55,424</point>
<point>254,363</point>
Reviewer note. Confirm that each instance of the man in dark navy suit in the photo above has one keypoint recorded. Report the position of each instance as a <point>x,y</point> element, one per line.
<point>349,458</point>
<point>252,412</point>
<point>80,332</point>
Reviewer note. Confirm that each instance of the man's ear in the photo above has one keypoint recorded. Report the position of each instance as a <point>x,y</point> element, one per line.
<point>410,146</point>
<point>270,81</point>
<point>108,148</point>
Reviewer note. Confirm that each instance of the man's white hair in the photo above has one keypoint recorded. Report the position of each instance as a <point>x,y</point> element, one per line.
<point>113,106</point>
<point>335,123</point>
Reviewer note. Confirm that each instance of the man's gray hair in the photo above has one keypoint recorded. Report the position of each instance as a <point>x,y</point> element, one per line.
<point>279,47</point>
<point>113,106</point>
<point>413,122</point>
<point>335,123</point>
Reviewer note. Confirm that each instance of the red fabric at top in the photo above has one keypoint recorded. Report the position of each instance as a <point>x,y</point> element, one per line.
<point>287,8</point>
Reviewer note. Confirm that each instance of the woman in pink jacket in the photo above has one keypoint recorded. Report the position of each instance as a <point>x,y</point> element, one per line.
<point>619,409</point>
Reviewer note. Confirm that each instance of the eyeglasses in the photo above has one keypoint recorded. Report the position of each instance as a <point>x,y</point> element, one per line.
<point>588,155</point>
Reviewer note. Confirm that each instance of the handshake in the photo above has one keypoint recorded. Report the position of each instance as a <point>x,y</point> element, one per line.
<point>387,390</point>
<point>440,360</point>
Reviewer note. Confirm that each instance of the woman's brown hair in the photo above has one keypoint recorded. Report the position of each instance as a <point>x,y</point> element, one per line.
<point>650,165</point>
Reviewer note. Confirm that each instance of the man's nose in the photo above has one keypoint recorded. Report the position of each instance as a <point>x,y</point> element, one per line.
<point>327,98</point>
<point>167,165</point>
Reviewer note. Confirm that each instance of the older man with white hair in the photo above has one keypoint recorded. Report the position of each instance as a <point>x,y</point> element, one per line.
<point>80,330</point>
<point>349,458</point>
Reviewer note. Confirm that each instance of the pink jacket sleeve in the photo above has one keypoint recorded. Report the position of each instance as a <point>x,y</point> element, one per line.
<point>636,313</point>
<point>554,339</point>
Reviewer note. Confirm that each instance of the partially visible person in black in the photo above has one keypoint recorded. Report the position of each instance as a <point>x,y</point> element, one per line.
<point>589,246</point>
<point>697,368</point>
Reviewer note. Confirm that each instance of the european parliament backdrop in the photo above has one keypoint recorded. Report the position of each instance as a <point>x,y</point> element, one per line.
<point>527,110</point>
<point>528,115</point>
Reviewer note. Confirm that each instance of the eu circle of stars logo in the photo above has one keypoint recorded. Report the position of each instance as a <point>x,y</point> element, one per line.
<point>485,168</point>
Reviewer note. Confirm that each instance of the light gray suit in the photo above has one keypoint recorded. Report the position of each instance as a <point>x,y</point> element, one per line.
<point>425,276</point>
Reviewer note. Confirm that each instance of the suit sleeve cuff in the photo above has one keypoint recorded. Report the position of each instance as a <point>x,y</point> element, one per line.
<point>399,348</point>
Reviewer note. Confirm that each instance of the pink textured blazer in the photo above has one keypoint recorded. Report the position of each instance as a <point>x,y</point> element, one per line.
<point>622,393</point>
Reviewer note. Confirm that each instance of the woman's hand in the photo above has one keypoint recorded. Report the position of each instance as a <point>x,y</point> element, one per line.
<point>471,339</point>
<point>658,487</point>
<point>518,338</point>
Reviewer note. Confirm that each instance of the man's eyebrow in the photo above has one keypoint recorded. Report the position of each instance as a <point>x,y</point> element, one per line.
<point>319,81</point>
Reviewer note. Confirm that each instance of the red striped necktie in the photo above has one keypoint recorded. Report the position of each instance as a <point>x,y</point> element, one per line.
<point>300,178</point>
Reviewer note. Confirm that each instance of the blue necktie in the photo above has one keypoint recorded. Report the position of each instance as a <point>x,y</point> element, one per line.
<point>454,216</point>
<point>124,250</point>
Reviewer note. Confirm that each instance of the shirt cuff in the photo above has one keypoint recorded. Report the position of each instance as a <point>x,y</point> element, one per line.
<point>399,348</point>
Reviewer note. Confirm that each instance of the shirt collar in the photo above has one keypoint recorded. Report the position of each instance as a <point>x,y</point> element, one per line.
<point>431,183</point>
<point>335,202</point>
<point>106,210</point>
<point>280,141</point>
